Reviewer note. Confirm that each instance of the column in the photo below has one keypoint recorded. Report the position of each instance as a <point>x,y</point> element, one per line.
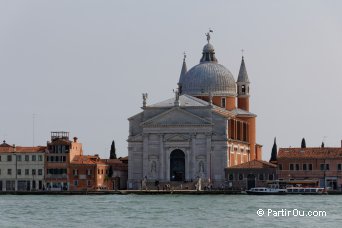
<point>145,156</point>
<point>167,167</point>
<point>192,157</point>
<point>161,158</point>
<point>187,164</point>
<point>208,171</point>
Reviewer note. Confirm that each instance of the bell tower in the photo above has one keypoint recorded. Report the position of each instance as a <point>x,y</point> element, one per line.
<point>243,87</point>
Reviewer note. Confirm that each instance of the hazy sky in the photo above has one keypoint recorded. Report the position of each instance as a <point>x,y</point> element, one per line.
<point>81,66</point>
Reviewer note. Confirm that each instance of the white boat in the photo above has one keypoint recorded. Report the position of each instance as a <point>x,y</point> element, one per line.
<point>266,191</point>
<point>305,190</point>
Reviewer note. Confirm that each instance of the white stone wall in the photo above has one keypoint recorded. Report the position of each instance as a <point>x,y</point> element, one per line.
<point>15,164</point>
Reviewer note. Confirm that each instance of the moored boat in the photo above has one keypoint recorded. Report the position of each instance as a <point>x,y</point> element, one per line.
<point>305,190</point>
<point>266,191</point>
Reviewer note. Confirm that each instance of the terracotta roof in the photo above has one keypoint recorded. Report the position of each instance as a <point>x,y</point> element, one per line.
<point>255,164</point>
<point>4,144</point>
<point>311,152</point>
<point>112,161</point>
<point>6,148</point>
<point>123,158</point>
<point>86,160</point>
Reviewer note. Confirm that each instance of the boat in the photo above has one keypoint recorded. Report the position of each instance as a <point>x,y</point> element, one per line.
<point>266,191</point>
<point>305,190</point>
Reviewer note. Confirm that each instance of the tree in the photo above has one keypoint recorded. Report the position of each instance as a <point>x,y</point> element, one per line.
<point>303,143</point>
<point>110,171</point>
<point>112,151</point>
<point>274,152</point>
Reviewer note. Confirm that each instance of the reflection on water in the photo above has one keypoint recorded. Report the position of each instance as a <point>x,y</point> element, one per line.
<point>164,211</point>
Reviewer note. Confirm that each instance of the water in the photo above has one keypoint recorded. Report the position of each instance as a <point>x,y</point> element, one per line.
<point>165,211</point>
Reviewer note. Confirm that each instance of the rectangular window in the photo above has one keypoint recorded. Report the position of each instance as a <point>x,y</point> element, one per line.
<point>18,157</point>
<point>19,171</point>
<point>40,157</point>
<point>27,172</point>
<point>33,172</point>
<point>304,167</point>
<point>270,176</point>
<point>88,183</point>
<point>34,157</point>
<point>339,167</point>
<point>297,166</point>
<point>261,176</point>
<point>40,172</point>
<point>291,167</point>
<point>223,102</point>
<point>75,172</point>
<point>9,171</point>
<point>27,158</point>
<point>310,166</point>
<point>322,167</point>
<point>326,166</point>
<point>75,182</point>
<point>280,167</point>
<point>0,158</point>
<point>89,172</point>
<point>9,158</point>
<point>98,171</point>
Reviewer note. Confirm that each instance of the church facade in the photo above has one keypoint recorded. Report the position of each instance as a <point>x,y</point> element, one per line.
<point>205,128</point>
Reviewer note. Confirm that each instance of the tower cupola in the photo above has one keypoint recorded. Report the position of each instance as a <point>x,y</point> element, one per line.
<point>243,87</point>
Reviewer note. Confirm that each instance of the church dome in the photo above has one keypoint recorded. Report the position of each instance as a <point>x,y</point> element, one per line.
<point>208,76</point>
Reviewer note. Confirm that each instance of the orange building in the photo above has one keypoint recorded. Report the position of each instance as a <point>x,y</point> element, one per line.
<point>61,151</point>
<point>315,164</point>
<point>89,173</point>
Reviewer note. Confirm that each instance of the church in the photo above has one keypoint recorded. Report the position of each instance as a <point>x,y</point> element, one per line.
<point>206,127</point>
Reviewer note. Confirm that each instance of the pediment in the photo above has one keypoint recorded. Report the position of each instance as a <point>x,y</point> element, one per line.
<point>135,138</point>
<point>177,138</point>
<point>175,117</point>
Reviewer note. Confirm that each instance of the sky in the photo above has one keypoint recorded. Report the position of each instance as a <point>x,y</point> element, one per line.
<point>81,66</point>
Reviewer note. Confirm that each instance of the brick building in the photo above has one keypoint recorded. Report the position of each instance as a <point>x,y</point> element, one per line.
<point>321,165</point>
<point>92,173</point>
<point>61,151</point>
<point>251,174</point>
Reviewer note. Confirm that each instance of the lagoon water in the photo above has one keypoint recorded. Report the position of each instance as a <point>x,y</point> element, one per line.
<point>165,211</point>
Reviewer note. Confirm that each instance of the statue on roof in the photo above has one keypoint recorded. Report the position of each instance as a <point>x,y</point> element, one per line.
<point>144,96</point>
<point>208,34</point>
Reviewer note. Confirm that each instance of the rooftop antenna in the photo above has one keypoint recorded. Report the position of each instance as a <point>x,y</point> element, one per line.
<point>242,51</point>
<point>33,128</point>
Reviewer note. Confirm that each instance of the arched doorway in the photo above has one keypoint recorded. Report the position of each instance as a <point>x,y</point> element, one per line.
<point>250,181</point>
<point>177,165</point>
